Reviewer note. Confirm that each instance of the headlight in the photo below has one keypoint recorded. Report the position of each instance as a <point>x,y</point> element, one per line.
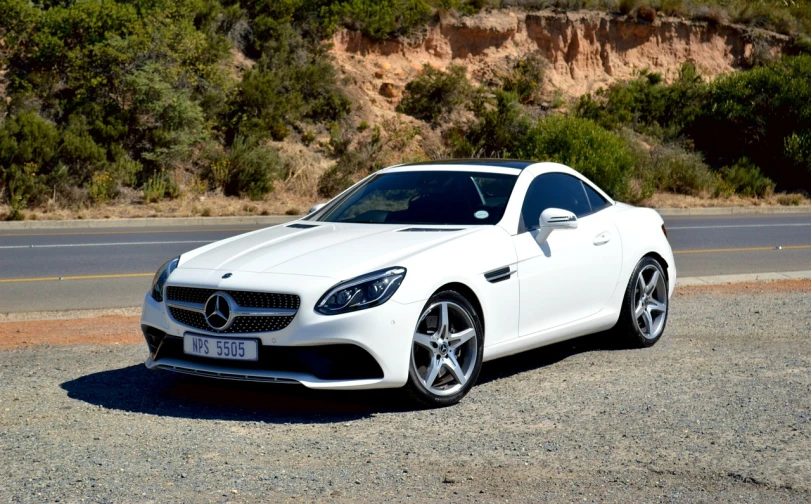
<point>363,292</point>
<point>160,278</point>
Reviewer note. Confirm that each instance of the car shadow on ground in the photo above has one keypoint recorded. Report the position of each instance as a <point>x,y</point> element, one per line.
<point>138,390</point>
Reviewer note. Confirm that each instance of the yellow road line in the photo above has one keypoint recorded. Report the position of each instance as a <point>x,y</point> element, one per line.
<point>80,277</point>
<point>133,232</point>
<point>741,249</point>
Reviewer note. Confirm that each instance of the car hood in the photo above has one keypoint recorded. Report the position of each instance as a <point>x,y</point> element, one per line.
<point>335,250</point>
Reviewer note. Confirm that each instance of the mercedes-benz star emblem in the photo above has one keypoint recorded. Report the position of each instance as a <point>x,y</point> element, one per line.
<point>218,311</point>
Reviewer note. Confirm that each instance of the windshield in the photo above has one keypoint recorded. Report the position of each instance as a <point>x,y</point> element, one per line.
<point>426,197</point>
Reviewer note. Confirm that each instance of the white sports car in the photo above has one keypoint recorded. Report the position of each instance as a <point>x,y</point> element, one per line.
<point>412,278</point>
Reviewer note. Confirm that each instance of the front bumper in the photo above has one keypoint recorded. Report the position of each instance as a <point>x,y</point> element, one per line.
<point>383,333</point>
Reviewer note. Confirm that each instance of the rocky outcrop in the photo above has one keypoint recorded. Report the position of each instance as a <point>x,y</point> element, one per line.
<point>585,49</point>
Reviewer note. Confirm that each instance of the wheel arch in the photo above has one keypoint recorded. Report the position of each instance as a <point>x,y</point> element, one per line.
<point>662,262</point>
<point>468,294</point>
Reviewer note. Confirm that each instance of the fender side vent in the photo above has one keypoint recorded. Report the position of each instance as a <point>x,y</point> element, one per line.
<point>428,230</point>
<point>302,226</point>
<point>498,275</point>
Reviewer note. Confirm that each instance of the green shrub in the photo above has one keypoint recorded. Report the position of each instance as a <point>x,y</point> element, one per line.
<point>526,77</point>
<point>352,164</point>
<point>435,93</point>
<point>676,170</point>
<point>746,179</point>
<point>499,130</point>
<point>22,186</point>
<point>647,105</point>
<point>626,6</point>
<point>155,187</point>
<point>764,115</point>
<point>253,168</point>
<point>289,83</point>
<point>102,188</point>
<point>598,154</point>
<point>380,18</point>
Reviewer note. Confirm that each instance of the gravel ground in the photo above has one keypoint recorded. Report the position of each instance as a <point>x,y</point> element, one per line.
<point>719,410</point>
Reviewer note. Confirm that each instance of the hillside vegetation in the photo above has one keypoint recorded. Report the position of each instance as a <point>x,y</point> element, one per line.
<point>104,100</point>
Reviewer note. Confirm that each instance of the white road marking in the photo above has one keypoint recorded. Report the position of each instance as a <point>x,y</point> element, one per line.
<point>729,226</point>
<point>119,244</point>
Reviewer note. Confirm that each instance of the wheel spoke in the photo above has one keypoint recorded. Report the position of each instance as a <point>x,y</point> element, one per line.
<point>459,339</point>
<point>444,320</point>
<point>648,323</point>
<point>656,306</point>
<point>654,279</point>
<point>640,284</point>
<point>433,371</point>
<point>425,341</point>
<point>640,309</point>
<point>456,370</point>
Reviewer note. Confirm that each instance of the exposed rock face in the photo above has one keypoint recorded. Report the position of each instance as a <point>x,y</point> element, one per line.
<point>585,50</point>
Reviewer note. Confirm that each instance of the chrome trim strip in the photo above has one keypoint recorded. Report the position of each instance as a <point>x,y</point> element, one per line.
<point>239,311</point>
<point>225,375</point>
<point>183,305</point>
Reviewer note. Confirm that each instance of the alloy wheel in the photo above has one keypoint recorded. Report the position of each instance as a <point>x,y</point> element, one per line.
<point>650,302</point>
<point>445,347</point>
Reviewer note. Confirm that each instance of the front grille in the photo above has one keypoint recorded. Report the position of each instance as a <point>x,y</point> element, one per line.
<point>240,325</point>
<point>245,299</point>
<point>327,362</point>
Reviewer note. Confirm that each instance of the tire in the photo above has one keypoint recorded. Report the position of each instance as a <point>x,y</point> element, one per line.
<point>643,316</point>
<point>446,351</point>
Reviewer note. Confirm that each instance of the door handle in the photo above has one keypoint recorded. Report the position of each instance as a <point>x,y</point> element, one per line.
<point>602,238</point>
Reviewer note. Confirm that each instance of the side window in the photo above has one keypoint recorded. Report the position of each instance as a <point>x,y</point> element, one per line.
<point>553,190</point>
<point>597,201</point>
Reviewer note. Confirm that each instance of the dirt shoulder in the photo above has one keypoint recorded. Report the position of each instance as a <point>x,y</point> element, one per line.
<point>125,330</point>
<point>717,411</point>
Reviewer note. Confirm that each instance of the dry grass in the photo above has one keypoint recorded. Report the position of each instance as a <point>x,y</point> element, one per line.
<point>298,193</point>
<point>669,200</point>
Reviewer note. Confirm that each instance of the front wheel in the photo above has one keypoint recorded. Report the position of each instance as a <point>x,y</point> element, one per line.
<point>446,351</point>
<point>644,308</point>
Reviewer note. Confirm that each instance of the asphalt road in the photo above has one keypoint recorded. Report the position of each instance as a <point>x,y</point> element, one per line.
<point>112,268</point>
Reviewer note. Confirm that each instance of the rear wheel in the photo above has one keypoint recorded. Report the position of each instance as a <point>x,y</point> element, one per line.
<point>446,351</point>
<point>645,306</point>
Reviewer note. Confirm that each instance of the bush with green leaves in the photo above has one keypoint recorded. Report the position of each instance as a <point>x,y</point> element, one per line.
<point>291,82</point>
<point>254,168</point>
<point>597,153</point>
<point>526,77</point>
<point>499,130</point>
<point>763,114</point>
<point>435,93</point>
<point>352,163</point>
<point>676,170</point>
<point>647,104</point>
<point>380,18</point>
<point>746,179</point>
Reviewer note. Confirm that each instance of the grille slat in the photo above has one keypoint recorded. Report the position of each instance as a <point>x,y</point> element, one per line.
<point>245,299</point>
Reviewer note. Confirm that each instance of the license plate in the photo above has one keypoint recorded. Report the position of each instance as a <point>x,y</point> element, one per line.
<point>220,348</point>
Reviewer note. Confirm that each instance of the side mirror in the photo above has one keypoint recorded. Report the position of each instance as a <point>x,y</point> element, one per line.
<point>554,218</point>
<point>316,208</point>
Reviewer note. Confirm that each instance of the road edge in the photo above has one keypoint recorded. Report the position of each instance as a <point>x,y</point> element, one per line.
<point>270,220</point>
<point>134,311</point>
<point>154,222</point>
